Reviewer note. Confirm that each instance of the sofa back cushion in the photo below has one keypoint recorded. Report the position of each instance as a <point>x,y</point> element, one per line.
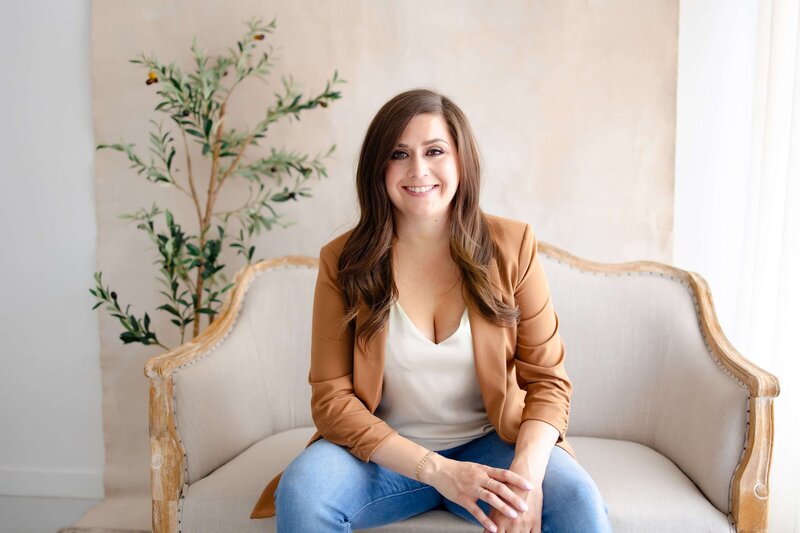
<point>642,371</point>
<point>254,382</point>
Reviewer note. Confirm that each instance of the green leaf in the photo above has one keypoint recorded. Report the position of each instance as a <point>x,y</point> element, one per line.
<point>128,337</point>
<point>169,309</point>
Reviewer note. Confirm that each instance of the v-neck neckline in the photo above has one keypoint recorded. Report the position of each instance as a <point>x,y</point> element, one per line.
<point>418,332</point>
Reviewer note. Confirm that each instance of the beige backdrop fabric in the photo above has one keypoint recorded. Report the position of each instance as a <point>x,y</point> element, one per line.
<point>573,105</point>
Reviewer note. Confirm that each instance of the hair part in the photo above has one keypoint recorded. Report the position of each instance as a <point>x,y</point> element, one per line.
<point>365,264</point>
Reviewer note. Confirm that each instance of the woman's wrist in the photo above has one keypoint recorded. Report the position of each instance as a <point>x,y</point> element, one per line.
<point>421,463</point>
<point>529,470</point>
<point>433,466</point>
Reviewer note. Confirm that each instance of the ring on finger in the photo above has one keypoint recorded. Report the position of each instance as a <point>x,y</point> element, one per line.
<point>478,493</point>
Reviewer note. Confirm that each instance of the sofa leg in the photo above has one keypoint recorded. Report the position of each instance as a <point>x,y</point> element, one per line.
<point>750,488</point>
<point>166,457</point>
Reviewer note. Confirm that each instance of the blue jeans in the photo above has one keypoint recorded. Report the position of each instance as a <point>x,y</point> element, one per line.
<point>328,489</point>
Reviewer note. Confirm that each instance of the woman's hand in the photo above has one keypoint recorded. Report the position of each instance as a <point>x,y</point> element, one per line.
<point>529,521</point>
<point>464,483</point>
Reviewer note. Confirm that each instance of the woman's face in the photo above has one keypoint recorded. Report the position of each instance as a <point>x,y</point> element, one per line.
<point>422,172</point>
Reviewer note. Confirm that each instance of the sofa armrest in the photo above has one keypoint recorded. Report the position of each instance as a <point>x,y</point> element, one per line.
<point>170,468</point>
<point>740,379</point>
<point>750,484</point>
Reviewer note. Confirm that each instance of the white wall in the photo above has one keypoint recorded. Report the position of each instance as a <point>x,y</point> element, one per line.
<point>718,45</point>
<point>716,72</point>
<point>50,390</point>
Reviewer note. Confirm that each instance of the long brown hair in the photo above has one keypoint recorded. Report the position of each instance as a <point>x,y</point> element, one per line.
<point>365,265</point>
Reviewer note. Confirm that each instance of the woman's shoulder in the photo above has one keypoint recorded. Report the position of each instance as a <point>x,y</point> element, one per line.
<point>333,248</point>
<point>509,234</point>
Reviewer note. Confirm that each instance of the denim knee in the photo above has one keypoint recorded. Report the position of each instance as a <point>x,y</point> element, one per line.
<point>304,498</point>
<point>581,508</point>
<point>310,473</point>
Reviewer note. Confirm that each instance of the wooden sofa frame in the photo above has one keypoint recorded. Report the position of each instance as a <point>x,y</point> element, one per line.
<point>750,484</point>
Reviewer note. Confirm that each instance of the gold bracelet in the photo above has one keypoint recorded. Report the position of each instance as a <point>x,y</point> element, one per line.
<point>421,463</point>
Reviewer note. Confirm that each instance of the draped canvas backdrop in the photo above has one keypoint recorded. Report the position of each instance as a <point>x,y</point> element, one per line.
<point>573,106</point>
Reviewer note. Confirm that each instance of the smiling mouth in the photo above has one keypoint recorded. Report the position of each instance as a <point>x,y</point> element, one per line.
<point>424,188</point>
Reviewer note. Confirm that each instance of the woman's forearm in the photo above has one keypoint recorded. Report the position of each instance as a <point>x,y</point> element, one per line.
<point>403,455</point>
<point>534,444</point>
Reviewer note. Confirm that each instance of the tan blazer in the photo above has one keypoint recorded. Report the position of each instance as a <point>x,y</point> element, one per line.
<point>520,369</point>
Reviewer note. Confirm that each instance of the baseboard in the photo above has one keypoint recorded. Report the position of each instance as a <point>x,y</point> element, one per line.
<point>99,530</point>
<point>53,482</point>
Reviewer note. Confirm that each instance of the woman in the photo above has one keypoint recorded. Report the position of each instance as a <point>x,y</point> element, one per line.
<point>437,370</point>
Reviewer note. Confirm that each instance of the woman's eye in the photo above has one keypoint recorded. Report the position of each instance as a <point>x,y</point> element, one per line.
<point>398,154</point>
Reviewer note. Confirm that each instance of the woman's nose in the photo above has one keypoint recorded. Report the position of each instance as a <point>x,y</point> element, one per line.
<point>419,167</point>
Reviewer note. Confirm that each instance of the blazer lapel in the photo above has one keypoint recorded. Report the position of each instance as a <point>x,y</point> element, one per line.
<point>488,346</point>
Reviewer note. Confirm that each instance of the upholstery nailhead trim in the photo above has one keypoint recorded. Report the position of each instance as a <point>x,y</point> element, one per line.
<point>708,349</point>
<point>185,486</point>
<point>673,278</point>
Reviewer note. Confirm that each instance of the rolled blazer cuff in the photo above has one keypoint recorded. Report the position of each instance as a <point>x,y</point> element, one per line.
<point>346,421</point>
<point>369,445</point>
<point>551,414</point>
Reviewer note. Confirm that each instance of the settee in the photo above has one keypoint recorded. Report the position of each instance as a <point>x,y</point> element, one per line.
<point>672,423</point>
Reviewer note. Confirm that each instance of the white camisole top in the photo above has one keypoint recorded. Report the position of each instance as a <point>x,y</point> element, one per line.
<point>430,391</point>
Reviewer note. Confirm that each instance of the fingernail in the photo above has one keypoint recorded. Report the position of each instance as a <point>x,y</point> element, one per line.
<point>512,513</point>
<point>493,528</point>
<point>528,485</point>
<point>524,506</point>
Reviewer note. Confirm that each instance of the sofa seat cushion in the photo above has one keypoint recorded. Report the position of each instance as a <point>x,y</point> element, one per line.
<point>644,491</point>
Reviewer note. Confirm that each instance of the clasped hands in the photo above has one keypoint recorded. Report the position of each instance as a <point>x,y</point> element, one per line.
<point>516,502</point>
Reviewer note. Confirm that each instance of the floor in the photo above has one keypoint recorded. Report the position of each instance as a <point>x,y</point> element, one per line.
<point>24,514</point>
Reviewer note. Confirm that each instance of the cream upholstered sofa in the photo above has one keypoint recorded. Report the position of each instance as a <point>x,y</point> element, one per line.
<point>674,425</point>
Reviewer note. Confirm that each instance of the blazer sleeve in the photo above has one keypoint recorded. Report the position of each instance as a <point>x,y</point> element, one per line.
<point>340,416</point>
<point>539,358</point>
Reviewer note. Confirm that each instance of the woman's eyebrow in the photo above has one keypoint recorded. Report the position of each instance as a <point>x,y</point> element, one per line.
<point>431,141</point>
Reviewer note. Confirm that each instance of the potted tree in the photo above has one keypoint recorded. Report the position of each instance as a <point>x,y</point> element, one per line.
<point>195,103</point>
